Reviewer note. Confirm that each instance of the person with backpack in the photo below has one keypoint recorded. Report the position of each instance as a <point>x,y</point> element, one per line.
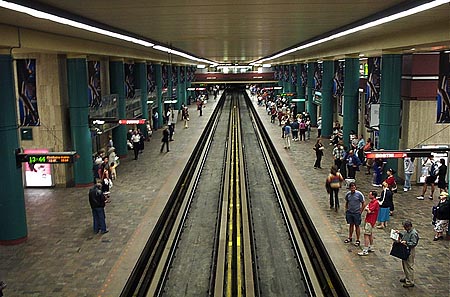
<point>433,172</point>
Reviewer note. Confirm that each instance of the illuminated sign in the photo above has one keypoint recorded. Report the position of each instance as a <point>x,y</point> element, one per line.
<point>51,157</point>
<point>132,122</point>
<point>385,155</point>
<point>196,89</point>
<point>298,100</point>
<point>211,77</point>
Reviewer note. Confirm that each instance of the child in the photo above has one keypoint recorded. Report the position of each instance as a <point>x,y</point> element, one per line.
<point>112,168</point>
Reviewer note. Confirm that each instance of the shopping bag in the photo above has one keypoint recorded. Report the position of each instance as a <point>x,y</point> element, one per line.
<point>399,250</point>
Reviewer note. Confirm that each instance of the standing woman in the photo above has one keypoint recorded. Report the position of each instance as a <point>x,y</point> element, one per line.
<point>386,203</point>
<point>334,181</point>
<point>319,153</point>
<point>442,174</point>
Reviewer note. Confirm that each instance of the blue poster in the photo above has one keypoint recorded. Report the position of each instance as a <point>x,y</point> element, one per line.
<point>26,84</point>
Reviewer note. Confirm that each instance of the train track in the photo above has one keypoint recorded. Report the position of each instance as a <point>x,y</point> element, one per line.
<point>234,225</point>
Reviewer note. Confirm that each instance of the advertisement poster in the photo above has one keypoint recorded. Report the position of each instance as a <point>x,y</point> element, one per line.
<point>338,85</point>
<point>318,72</point>
<point>372,87</point>
<point>174,77</point>
<point>304,74</point>
<point>165,76</point>
<point>94,88</point>
<point>151,80</point>
<point>294,75</point>
<point>37,175</point>
<point>424,165</point>
<point>443,91</point>
<point>129,81</point>
<point>26,84</point>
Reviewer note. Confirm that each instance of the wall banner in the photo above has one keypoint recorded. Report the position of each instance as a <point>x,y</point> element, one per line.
<point>443,91</point>
<point>94,88</point>
<point>26,84</point>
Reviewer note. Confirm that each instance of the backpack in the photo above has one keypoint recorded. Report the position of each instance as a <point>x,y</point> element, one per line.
<point>434,170</point>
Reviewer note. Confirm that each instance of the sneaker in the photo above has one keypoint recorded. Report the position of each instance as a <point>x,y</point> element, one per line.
<point>430,197</point>
<point>371,250</point>
<point>403,280</point>
<point>363,253</point>
<point>408,285</point>
<point>420,197</point>
<point>405,190</point>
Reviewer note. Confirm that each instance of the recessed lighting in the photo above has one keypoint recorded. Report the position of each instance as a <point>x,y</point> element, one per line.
<point>361,55</point>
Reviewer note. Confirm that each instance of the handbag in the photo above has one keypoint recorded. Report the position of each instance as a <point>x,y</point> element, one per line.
<point>399,250</point>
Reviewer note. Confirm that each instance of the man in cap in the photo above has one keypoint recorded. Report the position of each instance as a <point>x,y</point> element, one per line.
<point>410,238</point>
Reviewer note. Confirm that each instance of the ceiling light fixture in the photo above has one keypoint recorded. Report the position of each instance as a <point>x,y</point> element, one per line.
<point>64,21</point>
<point>368,25</point>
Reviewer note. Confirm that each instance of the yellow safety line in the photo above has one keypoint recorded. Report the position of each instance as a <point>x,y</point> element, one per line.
<point>230,220</point>
<point>238,214</point>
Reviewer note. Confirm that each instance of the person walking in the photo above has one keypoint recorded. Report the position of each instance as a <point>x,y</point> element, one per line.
<point>136,140</point>
<point>408,164</point>
<point>409,238</point>
<point>318,147</point>
<point>165,139</point>
<point>97,201</point>
<point>354,203</point>
<point>371,218</point>
<point>431,177</point>
<point>334,180</point>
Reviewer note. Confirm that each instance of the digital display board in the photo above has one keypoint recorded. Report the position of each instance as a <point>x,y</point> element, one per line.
<point>42,157</point>
<point>132,122</point>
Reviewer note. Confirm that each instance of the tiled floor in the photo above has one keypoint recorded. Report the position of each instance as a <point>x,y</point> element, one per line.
<point>62,256</point>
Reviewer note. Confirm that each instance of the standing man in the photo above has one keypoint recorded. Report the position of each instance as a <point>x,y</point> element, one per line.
<point>410,238</point>
<point>442,175</point>
<point>136,140</point>
<point>354,204</point>
<point>409,170</point>
<point>97,201</point>
<point>155,120</point>
<point>371,210</point>
<point>165,139</point>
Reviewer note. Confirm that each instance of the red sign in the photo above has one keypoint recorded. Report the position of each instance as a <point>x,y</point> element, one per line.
<point>132,122</point>
<point>386,155</point>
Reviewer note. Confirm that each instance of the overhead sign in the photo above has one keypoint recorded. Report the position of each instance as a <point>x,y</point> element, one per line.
<point>132,122</point>
<point>35,157</point>
<point>385,155</point>
<point>196,89</point>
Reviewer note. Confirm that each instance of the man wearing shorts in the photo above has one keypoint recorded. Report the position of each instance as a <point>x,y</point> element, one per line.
<point>354,204</point>
<point>371,218</point>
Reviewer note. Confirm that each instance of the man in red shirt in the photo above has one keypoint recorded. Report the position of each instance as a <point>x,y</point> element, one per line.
<point>371,218</point>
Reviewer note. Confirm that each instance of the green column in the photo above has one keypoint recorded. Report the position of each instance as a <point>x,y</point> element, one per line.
<point>13,221</point>
<point>179,87</point>
<point>311,107</point>
<point>141,82</point>
<point>327,98</point>
<point>351,89</point>
<point>77,81</point>
<point>117,82</point>
<point>390,97</point>
<point>158,75</point>
<point>300,90</point>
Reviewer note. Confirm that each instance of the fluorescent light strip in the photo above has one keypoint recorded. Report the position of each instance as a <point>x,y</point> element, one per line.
<point>47,16</point>
<point>64,21</point>
<point>381,21</point>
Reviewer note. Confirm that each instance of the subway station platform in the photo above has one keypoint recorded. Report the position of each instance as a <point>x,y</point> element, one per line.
<point>62,256</point>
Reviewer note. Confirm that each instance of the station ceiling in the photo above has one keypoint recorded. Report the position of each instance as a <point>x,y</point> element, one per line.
<point>228,31</point>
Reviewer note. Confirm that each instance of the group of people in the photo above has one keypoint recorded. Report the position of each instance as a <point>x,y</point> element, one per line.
<point>355,206</point>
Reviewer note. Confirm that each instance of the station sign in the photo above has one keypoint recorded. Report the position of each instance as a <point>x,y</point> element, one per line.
<point>132,122</point>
